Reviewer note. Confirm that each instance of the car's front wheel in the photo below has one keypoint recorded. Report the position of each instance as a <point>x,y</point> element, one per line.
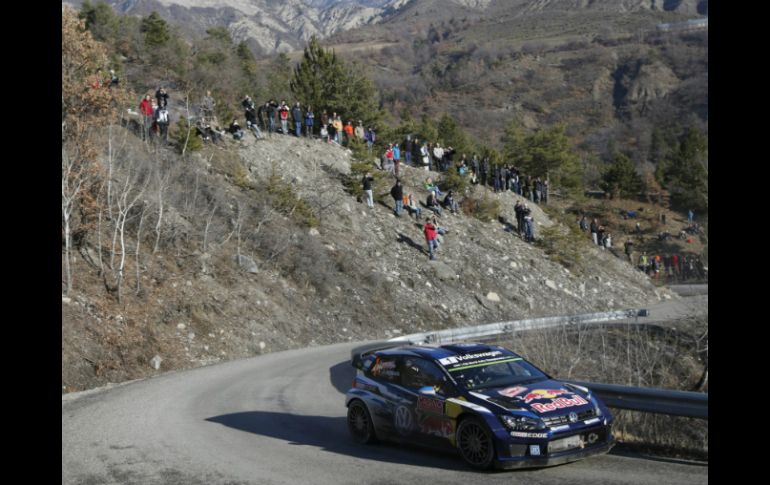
<point>360,423</point>
<point>475,443</point>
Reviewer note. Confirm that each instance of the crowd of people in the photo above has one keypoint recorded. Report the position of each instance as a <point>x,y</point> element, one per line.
<point>272,117</point>
<point>671,266</point>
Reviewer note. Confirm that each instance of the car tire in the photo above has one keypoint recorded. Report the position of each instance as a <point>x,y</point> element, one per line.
<point>475,444</point>
<point>360,423</point>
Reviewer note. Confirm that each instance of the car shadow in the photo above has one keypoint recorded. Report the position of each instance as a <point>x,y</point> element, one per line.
<point>341,376</point>
<point>331,434</point>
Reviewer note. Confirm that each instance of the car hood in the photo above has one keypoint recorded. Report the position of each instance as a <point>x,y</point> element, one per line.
<point>543,398</point>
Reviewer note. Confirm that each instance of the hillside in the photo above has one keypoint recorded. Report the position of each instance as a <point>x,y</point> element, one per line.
<point>317,267</point>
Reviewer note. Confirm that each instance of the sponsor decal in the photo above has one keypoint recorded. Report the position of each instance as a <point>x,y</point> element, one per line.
<point>402,419</point>
<point>430,405</point>
<point>534,450</point>
<point>543,394</point>
<point>572,417</point>
<point>470,405</point>
<point>436,426</point>
<point>366,387</point>
<point>385,369</point>
<point>522,434</point>
<point>559,403</point>
<point>459,359</point>
<point>512,391</point>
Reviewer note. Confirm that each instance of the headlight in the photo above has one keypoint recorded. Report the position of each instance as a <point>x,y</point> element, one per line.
<point>521,423</point>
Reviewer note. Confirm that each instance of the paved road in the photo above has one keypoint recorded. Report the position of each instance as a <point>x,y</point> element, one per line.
<point>277,418</point>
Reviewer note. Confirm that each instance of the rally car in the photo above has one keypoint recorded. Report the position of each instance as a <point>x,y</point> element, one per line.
<point>486,402</point>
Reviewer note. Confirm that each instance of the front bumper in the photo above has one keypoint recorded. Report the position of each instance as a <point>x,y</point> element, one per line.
<point>555,459</point>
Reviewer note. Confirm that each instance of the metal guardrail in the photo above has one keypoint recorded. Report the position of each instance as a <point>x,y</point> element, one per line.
<point>660,401</point>
<point>466,333</point>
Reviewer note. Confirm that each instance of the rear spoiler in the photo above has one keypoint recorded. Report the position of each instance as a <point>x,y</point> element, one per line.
<point>358,354</point>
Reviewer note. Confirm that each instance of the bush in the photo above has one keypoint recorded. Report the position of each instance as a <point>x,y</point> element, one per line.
<point>194,143</point>
<point>564,245</point>
<point>485,209</point>
<point>287,202</point>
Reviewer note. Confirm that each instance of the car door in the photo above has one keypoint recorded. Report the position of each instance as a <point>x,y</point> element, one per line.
<point>393,411</point>
<point>430,388</point>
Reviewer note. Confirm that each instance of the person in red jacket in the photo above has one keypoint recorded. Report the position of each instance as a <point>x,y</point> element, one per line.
<point>348,132</point>
<point>283,112</point>
<point>430,235</point>
<point>145,107</point>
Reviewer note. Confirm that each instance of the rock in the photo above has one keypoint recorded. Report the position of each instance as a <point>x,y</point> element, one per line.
<point>247,264</point>
<point>550,284</point>
<point>191,336</point>
<point>492,296</point>
<point>155,362</point>
<point>443,271</point>
<point>314,232</point>
<point>514,265</point>
<point>66,300</point>
<point>262,346</point>
<point>181,326</point>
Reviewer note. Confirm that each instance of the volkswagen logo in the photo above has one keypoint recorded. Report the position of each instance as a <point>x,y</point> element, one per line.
<point>573,417</point>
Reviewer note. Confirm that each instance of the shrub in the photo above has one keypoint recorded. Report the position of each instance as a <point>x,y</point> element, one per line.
<point>287,202</point>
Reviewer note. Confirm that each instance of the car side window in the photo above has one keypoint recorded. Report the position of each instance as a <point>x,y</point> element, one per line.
<point>384,369</point>
<point>417,373</point>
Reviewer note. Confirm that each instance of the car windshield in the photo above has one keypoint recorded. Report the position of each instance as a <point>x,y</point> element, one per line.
<point>497,374</point>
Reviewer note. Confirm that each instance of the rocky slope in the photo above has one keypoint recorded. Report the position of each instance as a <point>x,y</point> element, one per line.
<point>359,274</point>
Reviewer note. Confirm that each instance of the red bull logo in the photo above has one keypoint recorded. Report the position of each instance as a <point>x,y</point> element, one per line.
<point>559,403</point>
<point>436,426</point>
<point>543,394</point>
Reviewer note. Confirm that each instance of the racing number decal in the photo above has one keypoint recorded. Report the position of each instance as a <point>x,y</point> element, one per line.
<point>403,420</point>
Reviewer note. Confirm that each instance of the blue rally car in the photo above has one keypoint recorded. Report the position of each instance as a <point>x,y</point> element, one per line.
<point>488,403</point>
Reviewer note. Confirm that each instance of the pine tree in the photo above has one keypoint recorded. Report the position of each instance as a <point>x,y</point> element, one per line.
<point>620,177</point>
<point>324,81</point>
<point>155,30</point>
<point>684,172</point>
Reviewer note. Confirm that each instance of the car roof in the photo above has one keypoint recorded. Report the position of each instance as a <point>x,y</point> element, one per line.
<point>443,351</point>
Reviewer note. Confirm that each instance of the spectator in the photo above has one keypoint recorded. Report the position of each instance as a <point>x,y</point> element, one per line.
<point>324,118</point>
<point>162,120</point>
<point>371,137</point>
<point>595,231</point>
<point>583,223</point>
<point>414,207</point>
<point>162,96</point>
<point>359,131</point>
<point>425,156</point>
<point>309,119</point>
<point>337,123</point>
<point>324,133</point>
<point>272,112</point>
<point>644,263</point>
<point>235,130</point>
<point>283,112</point>
<point>114,80</point>
<point>367,184</point>
<point>296,114</point>
<point>397,159</point>
<point>450,202</point>
<point>332,133</point>
<point>348,133</point>
<point>432,203</point>
<point>690,216</point>
<point>408,147</point>
<point>207,106</point>
<point>145,107</point>
<point>430,236</point>
<point>431,187</point>
<point>397,192</point>
<point>262,116</point>
<point>629,248</point>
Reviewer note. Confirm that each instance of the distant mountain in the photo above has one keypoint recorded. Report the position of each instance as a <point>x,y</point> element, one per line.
<point>268,26</point>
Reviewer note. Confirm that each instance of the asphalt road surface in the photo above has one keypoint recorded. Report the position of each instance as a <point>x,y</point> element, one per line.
<point>279,418</point>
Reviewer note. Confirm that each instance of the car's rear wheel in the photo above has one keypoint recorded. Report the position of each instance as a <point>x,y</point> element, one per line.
<point>475,443</point>
<point>360,423</point>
